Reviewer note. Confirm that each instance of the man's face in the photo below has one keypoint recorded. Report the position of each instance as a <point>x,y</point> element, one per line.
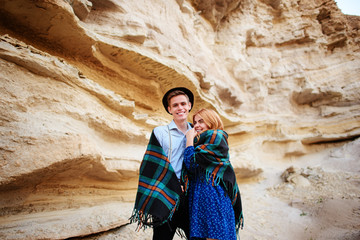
<point>179,107</point>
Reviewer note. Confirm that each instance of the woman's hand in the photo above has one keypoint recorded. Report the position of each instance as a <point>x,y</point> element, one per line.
<point>190,135</point>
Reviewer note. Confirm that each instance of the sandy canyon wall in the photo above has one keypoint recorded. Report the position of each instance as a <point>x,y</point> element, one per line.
<point>82,82</point>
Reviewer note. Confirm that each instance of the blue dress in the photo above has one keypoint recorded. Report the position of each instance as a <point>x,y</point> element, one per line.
<point>210,209</point>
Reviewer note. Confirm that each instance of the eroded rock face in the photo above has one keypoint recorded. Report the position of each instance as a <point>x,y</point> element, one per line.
<point>82,82</point>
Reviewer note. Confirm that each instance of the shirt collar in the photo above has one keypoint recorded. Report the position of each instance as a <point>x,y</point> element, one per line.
<point>172,125</point>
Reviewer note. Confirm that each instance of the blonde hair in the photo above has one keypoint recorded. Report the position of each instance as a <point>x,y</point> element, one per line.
<point>211,118</point>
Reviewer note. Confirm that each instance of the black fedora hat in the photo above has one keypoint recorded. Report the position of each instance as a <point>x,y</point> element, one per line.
<point>185,90</point>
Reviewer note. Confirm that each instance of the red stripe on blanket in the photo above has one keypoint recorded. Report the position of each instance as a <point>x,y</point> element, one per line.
<point>153,188</point>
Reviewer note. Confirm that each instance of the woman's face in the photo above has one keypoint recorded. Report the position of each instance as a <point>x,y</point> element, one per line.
<point>199,124</point>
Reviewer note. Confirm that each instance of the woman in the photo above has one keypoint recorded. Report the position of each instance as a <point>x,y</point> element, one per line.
<point>214,198</point>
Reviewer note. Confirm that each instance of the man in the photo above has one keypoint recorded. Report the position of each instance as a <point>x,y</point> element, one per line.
<point>160,201</point>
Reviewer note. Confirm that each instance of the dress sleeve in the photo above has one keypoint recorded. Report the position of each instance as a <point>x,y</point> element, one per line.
<point>189,159</point>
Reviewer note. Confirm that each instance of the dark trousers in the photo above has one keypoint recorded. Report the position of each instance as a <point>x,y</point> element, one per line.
<point>179,219</point>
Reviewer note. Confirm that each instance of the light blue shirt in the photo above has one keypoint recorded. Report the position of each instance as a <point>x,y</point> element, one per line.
<point>178,144</point>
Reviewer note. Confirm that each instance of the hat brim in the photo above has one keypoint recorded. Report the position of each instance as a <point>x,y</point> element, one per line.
<point>185,90</point>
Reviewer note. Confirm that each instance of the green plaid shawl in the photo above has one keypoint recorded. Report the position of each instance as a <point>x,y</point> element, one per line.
<point>159,189</point>
<point>212,156</point>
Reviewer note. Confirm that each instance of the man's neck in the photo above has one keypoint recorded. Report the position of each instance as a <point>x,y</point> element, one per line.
<point>182,125</point>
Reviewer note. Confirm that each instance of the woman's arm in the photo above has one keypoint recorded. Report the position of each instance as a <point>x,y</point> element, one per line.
<point>190,135</point>
<point>190,151</point>
<point>189,160</point>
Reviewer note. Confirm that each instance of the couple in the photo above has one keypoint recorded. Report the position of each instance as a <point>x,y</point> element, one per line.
<point>186,180</point>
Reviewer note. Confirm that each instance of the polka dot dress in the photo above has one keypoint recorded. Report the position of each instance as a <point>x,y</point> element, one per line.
<point>210,209</point>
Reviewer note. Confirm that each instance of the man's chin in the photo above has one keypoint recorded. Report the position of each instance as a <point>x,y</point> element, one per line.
<point>181,117</point>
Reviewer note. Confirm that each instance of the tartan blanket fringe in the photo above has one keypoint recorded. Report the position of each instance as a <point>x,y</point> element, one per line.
<point>145,220</point>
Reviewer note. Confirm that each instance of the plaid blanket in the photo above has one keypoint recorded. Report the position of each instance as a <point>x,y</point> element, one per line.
<point>212,156</point>
<point>159,189</point>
